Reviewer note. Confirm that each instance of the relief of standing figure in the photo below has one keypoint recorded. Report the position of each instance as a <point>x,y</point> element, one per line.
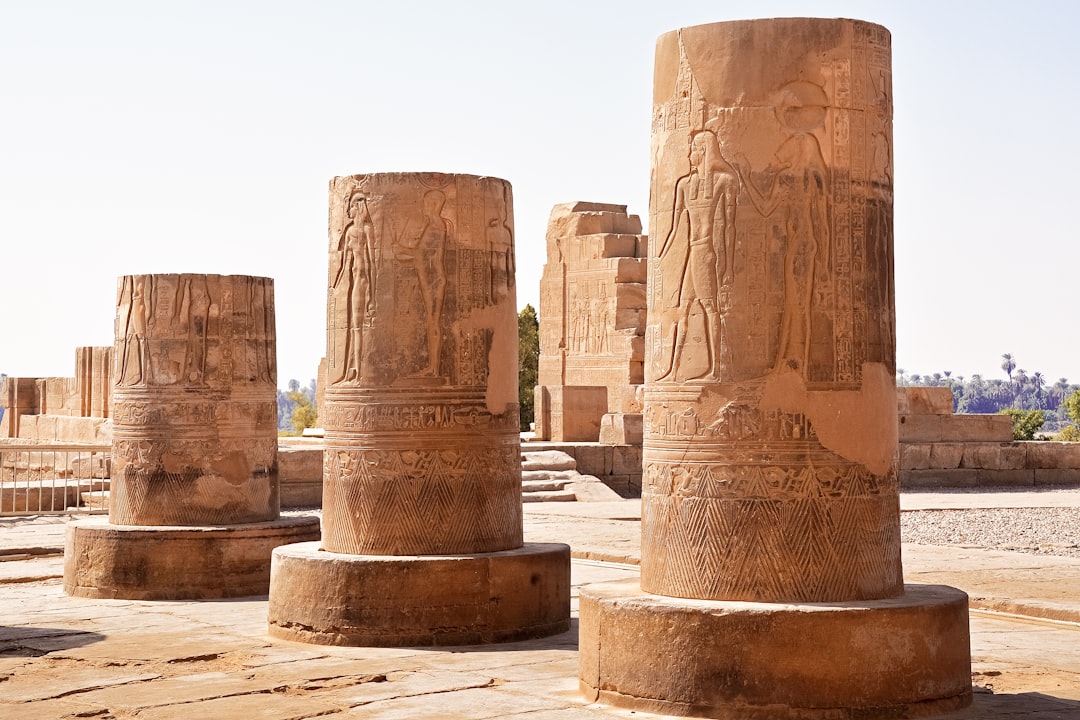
<point>797,200</point>
<point>355,280</point>
<point>705,197</point>
<point>425,254</point>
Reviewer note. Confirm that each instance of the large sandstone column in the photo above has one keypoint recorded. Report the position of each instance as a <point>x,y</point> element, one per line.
<point>194,401</point>
<point>770,403</point>
<point>421,419</point>
<point>194,444</point>
<point>422,530</point>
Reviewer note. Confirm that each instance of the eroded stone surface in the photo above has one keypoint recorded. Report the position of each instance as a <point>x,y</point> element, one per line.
<point>421,419</point>
<point>770,402</point>
<point>592,317</point>
<point>194,401</point>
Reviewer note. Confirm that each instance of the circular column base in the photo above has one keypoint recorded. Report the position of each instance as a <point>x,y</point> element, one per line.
<point>902,657</point>
<point>331,598</point>
<point>143,562</point>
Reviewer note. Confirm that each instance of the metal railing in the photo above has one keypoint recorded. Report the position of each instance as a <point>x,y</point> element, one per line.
<point>44,478</point>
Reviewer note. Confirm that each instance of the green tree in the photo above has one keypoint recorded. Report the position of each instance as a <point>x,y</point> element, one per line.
<point>1025,422</point>
<point>528,362</point>
<point>1008,364</point>
<point>304,412</point>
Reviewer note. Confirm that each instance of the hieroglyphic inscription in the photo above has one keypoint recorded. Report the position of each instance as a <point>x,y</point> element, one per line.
<point>410,261</point>
<point>194,406</point>
<point>751,489</point>
<point>431,388</point>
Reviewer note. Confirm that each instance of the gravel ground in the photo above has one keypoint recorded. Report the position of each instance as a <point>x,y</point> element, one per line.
<point>1041,531</point>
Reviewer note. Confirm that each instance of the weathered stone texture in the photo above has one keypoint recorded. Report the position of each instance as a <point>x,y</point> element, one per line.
<point>770,401</point>
<point>421,418</point>
<point>592,313</point>
<point>194,401</point>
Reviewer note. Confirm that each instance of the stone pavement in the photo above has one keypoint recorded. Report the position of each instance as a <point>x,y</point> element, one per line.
<point>64,657</point>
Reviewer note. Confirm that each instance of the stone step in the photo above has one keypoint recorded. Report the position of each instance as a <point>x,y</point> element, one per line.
<point>549,496</point>
<point>531,486</point>
<point>94,500</point>
<point>547,460</point>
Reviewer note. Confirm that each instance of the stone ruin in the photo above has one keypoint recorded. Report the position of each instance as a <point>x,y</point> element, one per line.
<point>194,508</point>
<point>422,516</point>
<point>770,502</point>
<point>592,326</point>
<point>61,409</point>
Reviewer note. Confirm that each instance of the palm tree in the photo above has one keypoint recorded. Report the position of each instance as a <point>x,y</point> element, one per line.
<point>900,372</point>
<point>1060,390</point>
<point>1008,364</point>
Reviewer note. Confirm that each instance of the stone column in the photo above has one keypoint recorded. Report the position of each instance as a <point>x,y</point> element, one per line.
<point>770,427</point>
<point>194,443</point>
<point>422,528</point>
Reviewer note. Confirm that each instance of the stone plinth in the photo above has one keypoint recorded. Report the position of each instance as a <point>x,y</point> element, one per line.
<point>770,407</point>
<point>102,560</point>
<point>906,656</point>
<point>422,448</point>
<point>194,445</point>
<point>389,601</point>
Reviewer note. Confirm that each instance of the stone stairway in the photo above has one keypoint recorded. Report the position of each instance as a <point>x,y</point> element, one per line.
<point>552,476</point>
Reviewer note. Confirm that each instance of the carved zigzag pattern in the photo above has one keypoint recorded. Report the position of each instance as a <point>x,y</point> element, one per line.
<point>390,502</point>
<point>807,550</point>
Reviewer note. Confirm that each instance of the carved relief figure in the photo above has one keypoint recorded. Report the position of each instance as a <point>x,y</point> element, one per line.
<point>193,314</point>
<point>355,280</point>
<point>424,252</point>
<point>797,200</point>
<point>500,240</point>
<point>705,198</point>
<point>134,361</point>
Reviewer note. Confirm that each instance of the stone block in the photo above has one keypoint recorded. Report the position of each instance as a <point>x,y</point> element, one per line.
<point>631,270</point>
<point>643,246</point>
<point>595,223</point>
<point>575,412</point>
<point>300,475</point>
<point>1054,455</point>
<point>1044,476</point>
<point>631,318</point>
<point>915,456</point>
<point>938,478</point>
<point>946,456</point>
<point>976,428</point>
<point>924,401</point>
<point>622,485</point>
<point>621,429</point>
<point>594,459</point>
<point>1004,478</point>
<point>541,413</point>
<point>919,428</point>
<point>626,459</point>
<point>994,456</point>
<point>629,296</point>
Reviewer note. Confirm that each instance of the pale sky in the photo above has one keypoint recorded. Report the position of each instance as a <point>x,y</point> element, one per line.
<point>153,137</point>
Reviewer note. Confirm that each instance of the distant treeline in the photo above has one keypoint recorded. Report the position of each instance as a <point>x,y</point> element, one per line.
<point>1021,391</point>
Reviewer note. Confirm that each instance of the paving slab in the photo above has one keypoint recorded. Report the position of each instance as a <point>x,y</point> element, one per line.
<point>63,657</point>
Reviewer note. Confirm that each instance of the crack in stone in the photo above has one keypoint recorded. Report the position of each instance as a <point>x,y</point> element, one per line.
<point>491,682</point>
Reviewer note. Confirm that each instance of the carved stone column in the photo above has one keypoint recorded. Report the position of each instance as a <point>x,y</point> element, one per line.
<point>194,401</point>
<point>770,427</point>
<point>422,469</point>
<point>194,444</point>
